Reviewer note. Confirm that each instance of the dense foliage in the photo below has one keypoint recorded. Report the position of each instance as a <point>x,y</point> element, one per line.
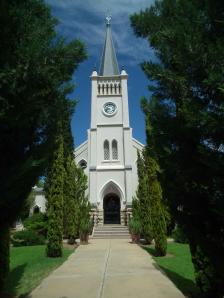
<point>134,226</point>
<point>153,206</point>
<point>27,238</point>
<point>142,194</point>
<point>36,69</point>
<point>54,194</point>
<point>72,198</point>
<point>37,222</point>
<point>188,123</point>
<point>85,224</point>
<point>178,235</point>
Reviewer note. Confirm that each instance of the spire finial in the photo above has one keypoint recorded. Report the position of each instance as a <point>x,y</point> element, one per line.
<point>108,65</point>
<point>108,19</point>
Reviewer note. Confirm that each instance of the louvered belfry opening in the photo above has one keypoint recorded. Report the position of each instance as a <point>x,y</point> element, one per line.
<point>114,150</point>
<point>106,150</point>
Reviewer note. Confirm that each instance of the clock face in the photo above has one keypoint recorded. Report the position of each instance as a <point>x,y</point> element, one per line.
<point>109,108</point>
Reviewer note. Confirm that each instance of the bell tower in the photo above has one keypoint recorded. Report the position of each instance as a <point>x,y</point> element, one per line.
<point>110,136</point>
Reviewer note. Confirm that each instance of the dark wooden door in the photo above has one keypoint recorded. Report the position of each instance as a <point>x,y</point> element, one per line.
<point>112,208</point>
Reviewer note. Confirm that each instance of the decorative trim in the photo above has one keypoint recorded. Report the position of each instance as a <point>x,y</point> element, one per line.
<point>117,186</point>
<point>111,161</point>
<point>114,168</point>
<point>102,78</point>
<point>128,167</point>
<point>92,168</point>
<point>109,95</point>
<point>108,124</point>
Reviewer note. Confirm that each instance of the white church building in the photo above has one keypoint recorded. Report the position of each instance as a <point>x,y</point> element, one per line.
<point>109,155</point>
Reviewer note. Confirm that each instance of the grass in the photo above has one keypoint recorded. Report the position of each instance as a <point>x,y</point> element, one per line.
<point>178,267</point>
<point>28,266</point>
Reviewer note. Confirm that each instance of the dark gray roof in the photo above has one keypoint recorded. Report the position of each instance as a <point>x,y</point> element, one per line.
<point>109,65</point>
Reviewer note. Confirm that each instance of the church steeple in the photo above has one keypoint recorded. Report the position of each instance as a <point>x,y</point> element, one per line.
<point>108,65</point>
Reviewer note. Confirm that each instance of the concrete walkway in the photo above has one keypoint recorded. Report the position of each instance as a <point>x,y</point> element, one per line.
<point>112,268</point>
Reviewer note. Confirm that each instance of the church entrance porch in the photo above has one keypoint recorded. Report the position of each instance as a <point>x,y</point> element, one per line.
<point>111,208</point>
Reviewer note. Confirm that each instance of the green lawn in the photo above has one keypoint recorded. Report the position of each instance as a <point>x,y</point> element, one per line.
<point>178,267</point>
<point>29,265</point>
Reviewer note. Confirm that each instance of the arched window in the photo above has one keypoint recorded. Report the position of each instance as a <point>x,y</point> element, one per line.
<point>36,209</point>
<point>119,88</point>
<point>83,164</point>
<point>106,150</point>
<point>114,150</point>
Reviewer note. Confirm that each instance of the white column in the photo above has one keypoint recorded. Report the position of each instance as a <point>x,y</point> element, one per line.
<point>124,90</point>
<point>94,91</point>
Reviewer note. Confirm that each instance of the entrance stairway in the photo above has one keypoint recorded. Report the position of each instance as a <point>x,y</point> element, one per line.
<point>110,231</point>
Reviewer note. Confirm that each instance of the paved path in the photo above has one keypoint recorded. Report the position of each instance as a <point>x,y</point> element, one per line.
<point>112,268</point>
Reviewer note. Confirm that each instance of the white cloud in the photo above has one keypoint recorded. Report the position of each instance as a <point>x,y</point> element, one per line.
<point>85,20</point>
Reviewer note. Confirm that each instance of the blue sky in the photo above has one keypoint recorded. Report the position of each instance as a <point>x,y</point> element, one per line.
<point>85,20</point>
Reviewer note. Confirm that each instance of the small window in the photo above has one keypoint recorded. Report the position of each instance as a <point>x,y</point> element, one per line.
<point>106,150</point>
<point>36,209</point>
<point>83,164</point>
<point>114,150</point>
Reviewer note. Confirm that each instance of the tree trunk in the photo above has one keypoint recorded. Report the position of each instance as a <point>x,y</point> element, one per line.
<point>4,255</point>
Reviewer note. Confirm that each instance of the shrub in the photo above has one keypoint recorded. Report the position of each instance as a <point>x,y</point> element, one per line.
<point>37,222</point>
<point>179,235</point>
<point>134,226</point>
<point>84,229</point>
<point>27,238</point>
<point>85,226</point>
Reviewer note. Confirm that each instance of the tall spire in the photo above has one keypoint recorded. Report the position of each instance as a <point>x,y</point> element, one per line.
<point>108,65</point>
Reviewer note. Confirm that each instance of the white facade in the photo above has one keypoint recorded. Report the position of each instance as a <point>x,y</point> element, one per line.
<point>110,171</point>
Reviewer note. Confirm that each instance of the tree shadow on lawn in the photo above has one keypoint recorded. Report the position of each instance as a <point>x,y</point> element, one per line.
<point>150,250</point>
<point>13,281</point>
<point>185,285</point>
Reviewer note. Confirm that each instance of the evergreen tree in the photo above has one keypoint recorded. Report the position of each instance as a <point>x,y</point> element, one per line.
<point>69,210</point>
<point>54,196</point>
<point>188,123</point>
<point>71,201</point>
<point>144,199</point>
<point>36,67</point>
<point>157,210</point>
<point>83,202</point>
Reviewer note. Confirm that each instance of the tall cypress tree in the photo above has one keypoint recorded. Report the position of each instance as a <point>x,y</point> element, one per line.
<point>71,201</point>
<point>154,190</point>
<point>54,196</point>
<point>144,199</point>
<point>83,202</point>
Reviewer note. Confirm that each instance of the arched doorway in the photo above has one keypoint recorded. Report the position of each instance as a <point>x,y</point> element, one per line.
<point>111,208</point>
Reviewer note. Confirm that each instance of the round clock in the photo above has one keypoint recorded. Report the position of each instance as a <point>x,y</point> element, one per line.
<point>109,108</point>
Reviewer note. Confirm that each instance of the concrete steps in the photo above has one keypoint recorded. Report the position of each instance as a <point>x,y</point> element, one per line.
<point>111,232</point>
